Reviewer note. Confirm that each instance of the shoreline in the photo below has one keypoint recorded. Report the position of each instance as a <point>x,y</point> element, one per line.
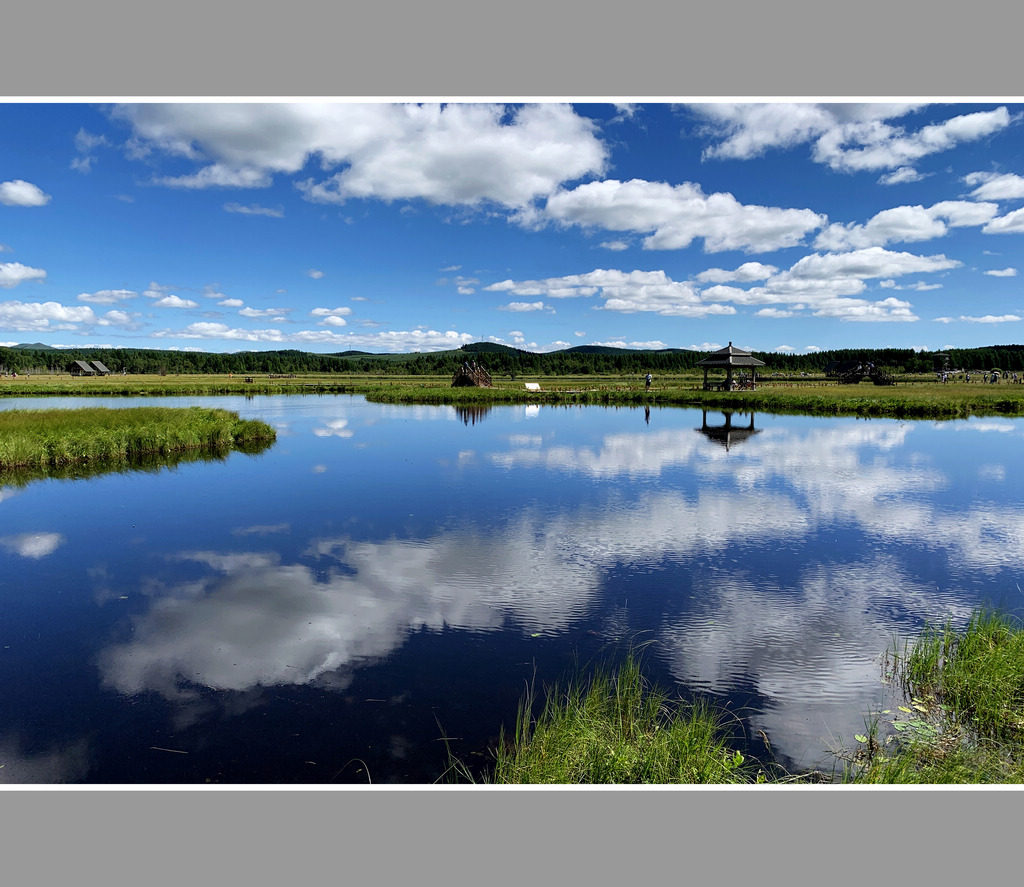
<point>911,398</point>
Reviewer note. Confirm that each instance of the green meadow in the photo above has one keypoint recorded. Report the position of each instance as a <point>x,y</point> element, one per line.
<point>913,397</point>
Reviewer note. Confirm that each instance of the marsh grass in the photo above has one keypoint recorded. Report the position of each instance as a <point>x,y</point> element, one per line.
<point>978,674</point>
<point>614,727</point>
<point>964,694</point>
<point>57,438</point>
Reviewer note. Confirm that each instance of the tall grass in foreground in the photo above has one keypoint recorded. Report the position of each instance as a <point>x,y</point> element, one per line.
<point>615,728</point>
<point>966,692</point>
<point>32,438</point>
<point>977,674</point>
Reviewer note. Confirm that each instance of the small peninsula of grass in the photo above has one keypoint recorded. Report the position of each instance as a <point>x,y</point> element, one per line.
<point>55,438</point>
<point>962,723</point>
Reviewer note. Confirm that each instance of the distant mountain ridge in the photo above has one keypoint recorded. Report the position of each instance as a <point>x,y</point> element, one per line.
<point>498,359</point>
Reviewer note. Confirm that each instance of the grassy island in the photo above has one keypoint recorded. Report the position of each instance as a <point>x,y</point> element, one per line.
<point>54,438</point>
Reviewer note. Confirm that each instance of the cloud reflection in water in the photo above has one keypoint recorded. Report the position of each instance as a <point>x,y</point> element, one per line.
<point>769,610</point>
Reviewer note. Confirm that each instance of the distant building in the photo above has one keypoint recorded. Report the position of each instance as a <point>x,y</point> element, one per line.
<point>102,370</point>
<point>81,368</point>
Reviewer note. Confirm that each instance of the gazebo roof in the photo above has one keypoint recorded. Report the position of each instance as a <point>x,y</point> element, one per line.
<point>731,357</point>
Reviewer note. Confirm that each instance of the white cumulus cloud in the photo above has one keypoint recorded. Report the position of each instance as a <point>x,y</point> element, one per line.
<point>846,137</point>
<point>833,285</point>
<point>13,273</point>
<point>44,316</point>
<point>173,301</point>
<point>18,192</point>
<point>901,176</point>
<point>995,186</point>
<point>673,216</point>
<point>632,291</point>
<point>1011,223</point>
<point>906,224</point>
<point>746,273</point>
<point>454,154</point>
<point>524,306</point>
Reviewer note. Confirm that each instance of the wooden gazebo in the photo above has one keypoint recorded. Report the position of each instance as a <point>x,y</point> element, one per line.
<point>729,359</point>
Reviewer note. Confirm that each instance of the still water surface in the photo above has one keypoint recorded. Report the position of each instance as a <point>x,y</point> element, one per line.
<point>385,576</point>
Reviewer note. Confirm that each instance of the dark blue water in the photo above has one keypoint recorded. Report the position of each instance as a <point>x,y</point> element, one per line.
<point>386,578</point>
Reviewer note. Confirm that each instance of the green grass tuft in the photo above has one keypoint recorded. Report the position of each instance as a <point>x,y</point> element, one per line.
<point>965,692</point>
<point>615,728</point>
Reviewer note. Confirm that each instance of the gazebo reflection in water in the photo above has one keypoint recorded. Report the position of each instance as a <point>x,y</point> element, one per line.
<point>727,434</point>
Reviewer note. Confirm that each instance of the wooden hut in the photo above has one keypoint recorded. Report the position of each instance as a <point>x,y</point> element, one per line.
<point>100,368</point>
<point>730,359</point>
<point>471,374</point>
<point>81,368</point>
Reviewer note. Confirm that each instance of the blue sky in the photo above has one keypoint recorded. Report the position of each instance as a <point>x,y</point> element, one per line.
<point>396,227</point>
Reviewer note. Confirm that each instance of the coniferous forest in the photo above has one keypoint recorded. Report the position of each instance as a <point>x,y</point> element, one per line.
<point>499,360</point>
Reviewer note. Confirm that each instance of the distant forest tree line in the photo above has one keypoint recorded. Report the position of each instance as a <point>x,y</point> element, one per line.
<point>499,360</point>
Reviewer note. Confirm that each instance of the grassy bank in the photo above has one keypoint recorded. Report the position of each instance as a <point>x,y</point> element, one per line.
<point>963,723</point>
<point>54,438</point>
<point>922,400</point>
<point>914,398</point>
<point>192,384</point>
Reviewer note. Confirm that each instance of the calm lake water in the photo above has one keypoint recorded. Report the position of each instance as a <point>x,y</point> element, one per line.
<point>385,576</point>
